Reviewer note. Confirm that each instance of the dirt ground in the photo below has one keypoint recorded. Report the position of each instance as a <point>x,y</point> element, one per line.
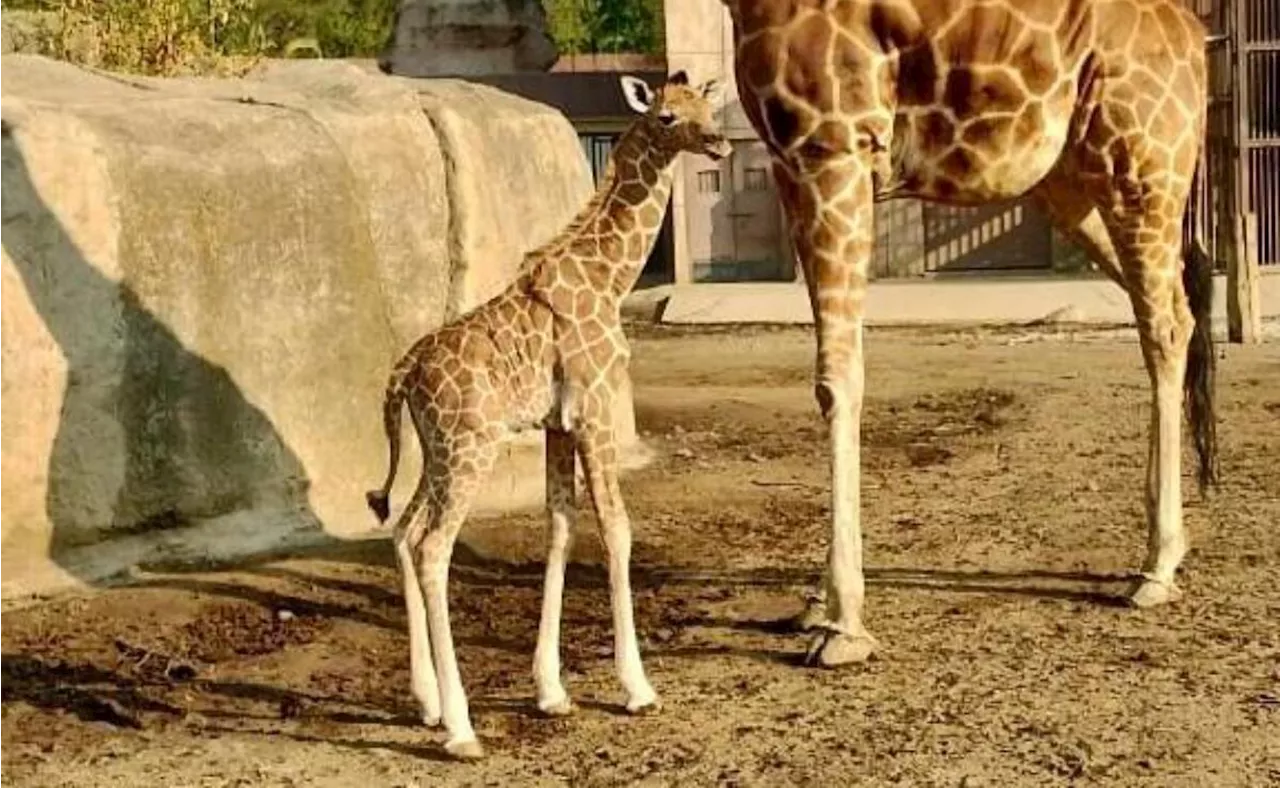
<point>1002,514</point>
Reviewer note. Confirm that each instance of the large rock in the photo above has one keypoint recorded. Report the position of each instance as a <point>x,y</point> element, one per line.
<point>469,38</point>
<point>205,283</point>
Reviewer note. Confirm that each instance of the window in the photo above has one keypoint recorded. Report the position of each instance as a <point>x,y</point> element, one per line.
<point>709,181</point>
<point>754,179</point>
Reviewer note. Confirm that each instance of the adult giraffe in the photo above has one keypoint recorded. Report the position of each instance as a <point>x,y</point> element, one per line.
<point>1095,107</point>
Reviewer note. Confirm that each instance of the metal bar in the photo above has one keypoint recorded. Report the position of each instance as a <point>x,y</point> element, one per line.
<point>1240,97</point>
<point>1266,191</point>
<point>1243,324</point>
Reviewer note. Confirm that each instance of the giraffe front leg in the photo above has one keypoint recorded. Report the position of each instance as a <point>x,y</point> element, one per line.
<point>561,511</point>
<point>828,198</point>
<point>600,462</point>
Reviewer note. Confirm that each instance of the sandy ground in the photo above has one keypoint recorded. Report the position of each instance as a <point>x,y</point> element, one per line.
<point>1002,516</point>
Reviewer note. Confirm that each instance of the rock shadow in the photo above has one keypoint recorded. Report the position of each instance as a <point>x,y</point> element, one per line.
<point>151,436</point>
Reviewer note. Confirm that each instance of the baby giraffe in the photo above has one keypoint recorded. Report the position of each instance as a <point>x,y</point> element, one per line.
<point>547,353</point>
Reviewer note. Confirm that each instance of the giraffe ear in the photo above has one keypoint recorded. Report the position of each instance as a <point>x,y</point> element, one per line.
<point>712,90</point>
<point>638,93</point>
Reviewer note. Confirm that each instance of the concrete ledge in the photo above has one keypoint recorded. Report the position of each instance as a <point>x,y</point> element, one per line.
<point>1021,300</point>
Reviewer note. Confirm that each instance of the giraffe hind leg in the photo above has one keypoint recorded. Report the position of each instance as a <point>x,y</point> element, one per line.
<point>1147,273</point>
<point>1149,251</point>
<point>407,533</point>
<point>461,467</point>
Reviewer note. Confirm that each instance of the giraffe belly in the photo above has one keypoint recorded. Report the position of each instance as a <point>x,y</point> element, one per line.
<point>973,174</point>
<point>532,407</point>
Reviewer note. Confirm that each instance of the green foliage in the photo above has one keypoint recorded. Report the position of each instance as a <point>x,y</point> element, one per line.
<point>198,36</point>
<point>143,36</point>
<point>341,28</point>
<point>579,26</point>
<point>186,36</point>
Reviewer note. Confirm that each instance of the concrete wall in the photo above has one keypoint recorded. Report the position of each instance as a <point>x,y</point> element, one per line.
<point>205,283</point>
<point>468,38</point>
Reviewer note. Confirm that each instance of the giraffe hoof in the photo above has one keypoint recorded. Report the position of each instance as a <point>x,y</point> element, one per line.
<point>644,708</point>
<point>430,720</point>
<point>831,649</point>
<point>464,750</point>
<point>556,708</point>
<point>1152,593</point>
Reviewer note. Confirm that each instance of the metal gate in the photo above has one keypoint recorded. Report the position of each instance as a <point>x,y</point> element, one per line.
<point>1243,135</point>
<point>918,238</point>
<point>1256,30</point>
<point>1239,199</point>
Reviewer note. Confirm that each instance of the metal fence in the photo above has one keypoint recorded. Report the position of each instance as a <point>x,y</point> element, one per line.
<point>1242,149</point>
<point>1257,29</point>
<point>917,238</point>
<point>1241,169</point>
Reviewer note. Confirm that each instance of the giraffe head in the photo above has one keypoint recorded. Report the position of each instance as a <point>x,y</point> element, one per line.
<point>679,117</point>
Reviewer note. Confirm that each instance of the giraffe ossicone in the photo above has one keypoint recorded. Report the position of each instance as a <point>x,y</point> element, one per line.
<point>547,353</point>
<point>1096,108</point>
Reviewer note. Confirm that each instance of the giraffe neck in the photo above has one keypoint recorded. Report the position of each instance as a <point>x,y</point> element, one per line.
<point>626,213</point>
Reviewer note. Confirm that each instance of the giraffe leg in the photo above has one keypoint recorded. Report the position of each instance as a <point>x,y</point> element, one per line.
<point>408,531</point>
<point>1149,245</point>
<point>450,499</point>
<point>1145,273</point>
<point>561,510</point>
<point>600,462</point>
<point>829,210</point>
<point>1059,196</point>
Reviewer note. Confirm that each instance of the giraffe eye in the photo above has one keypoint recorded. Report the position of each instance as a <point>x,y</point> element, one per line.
<point>667,118</point>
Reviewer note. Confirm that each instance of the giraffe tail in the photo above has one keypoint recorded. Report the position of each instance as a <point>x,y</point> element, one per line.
<point>392,408</point>
<point>1198,385</point>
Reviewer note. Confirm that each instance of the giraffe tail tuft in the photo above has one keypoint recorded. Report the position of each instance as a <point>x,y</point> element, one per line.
<point>1198,385</point>
<point>379,500</point>
<point>380,503</point>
